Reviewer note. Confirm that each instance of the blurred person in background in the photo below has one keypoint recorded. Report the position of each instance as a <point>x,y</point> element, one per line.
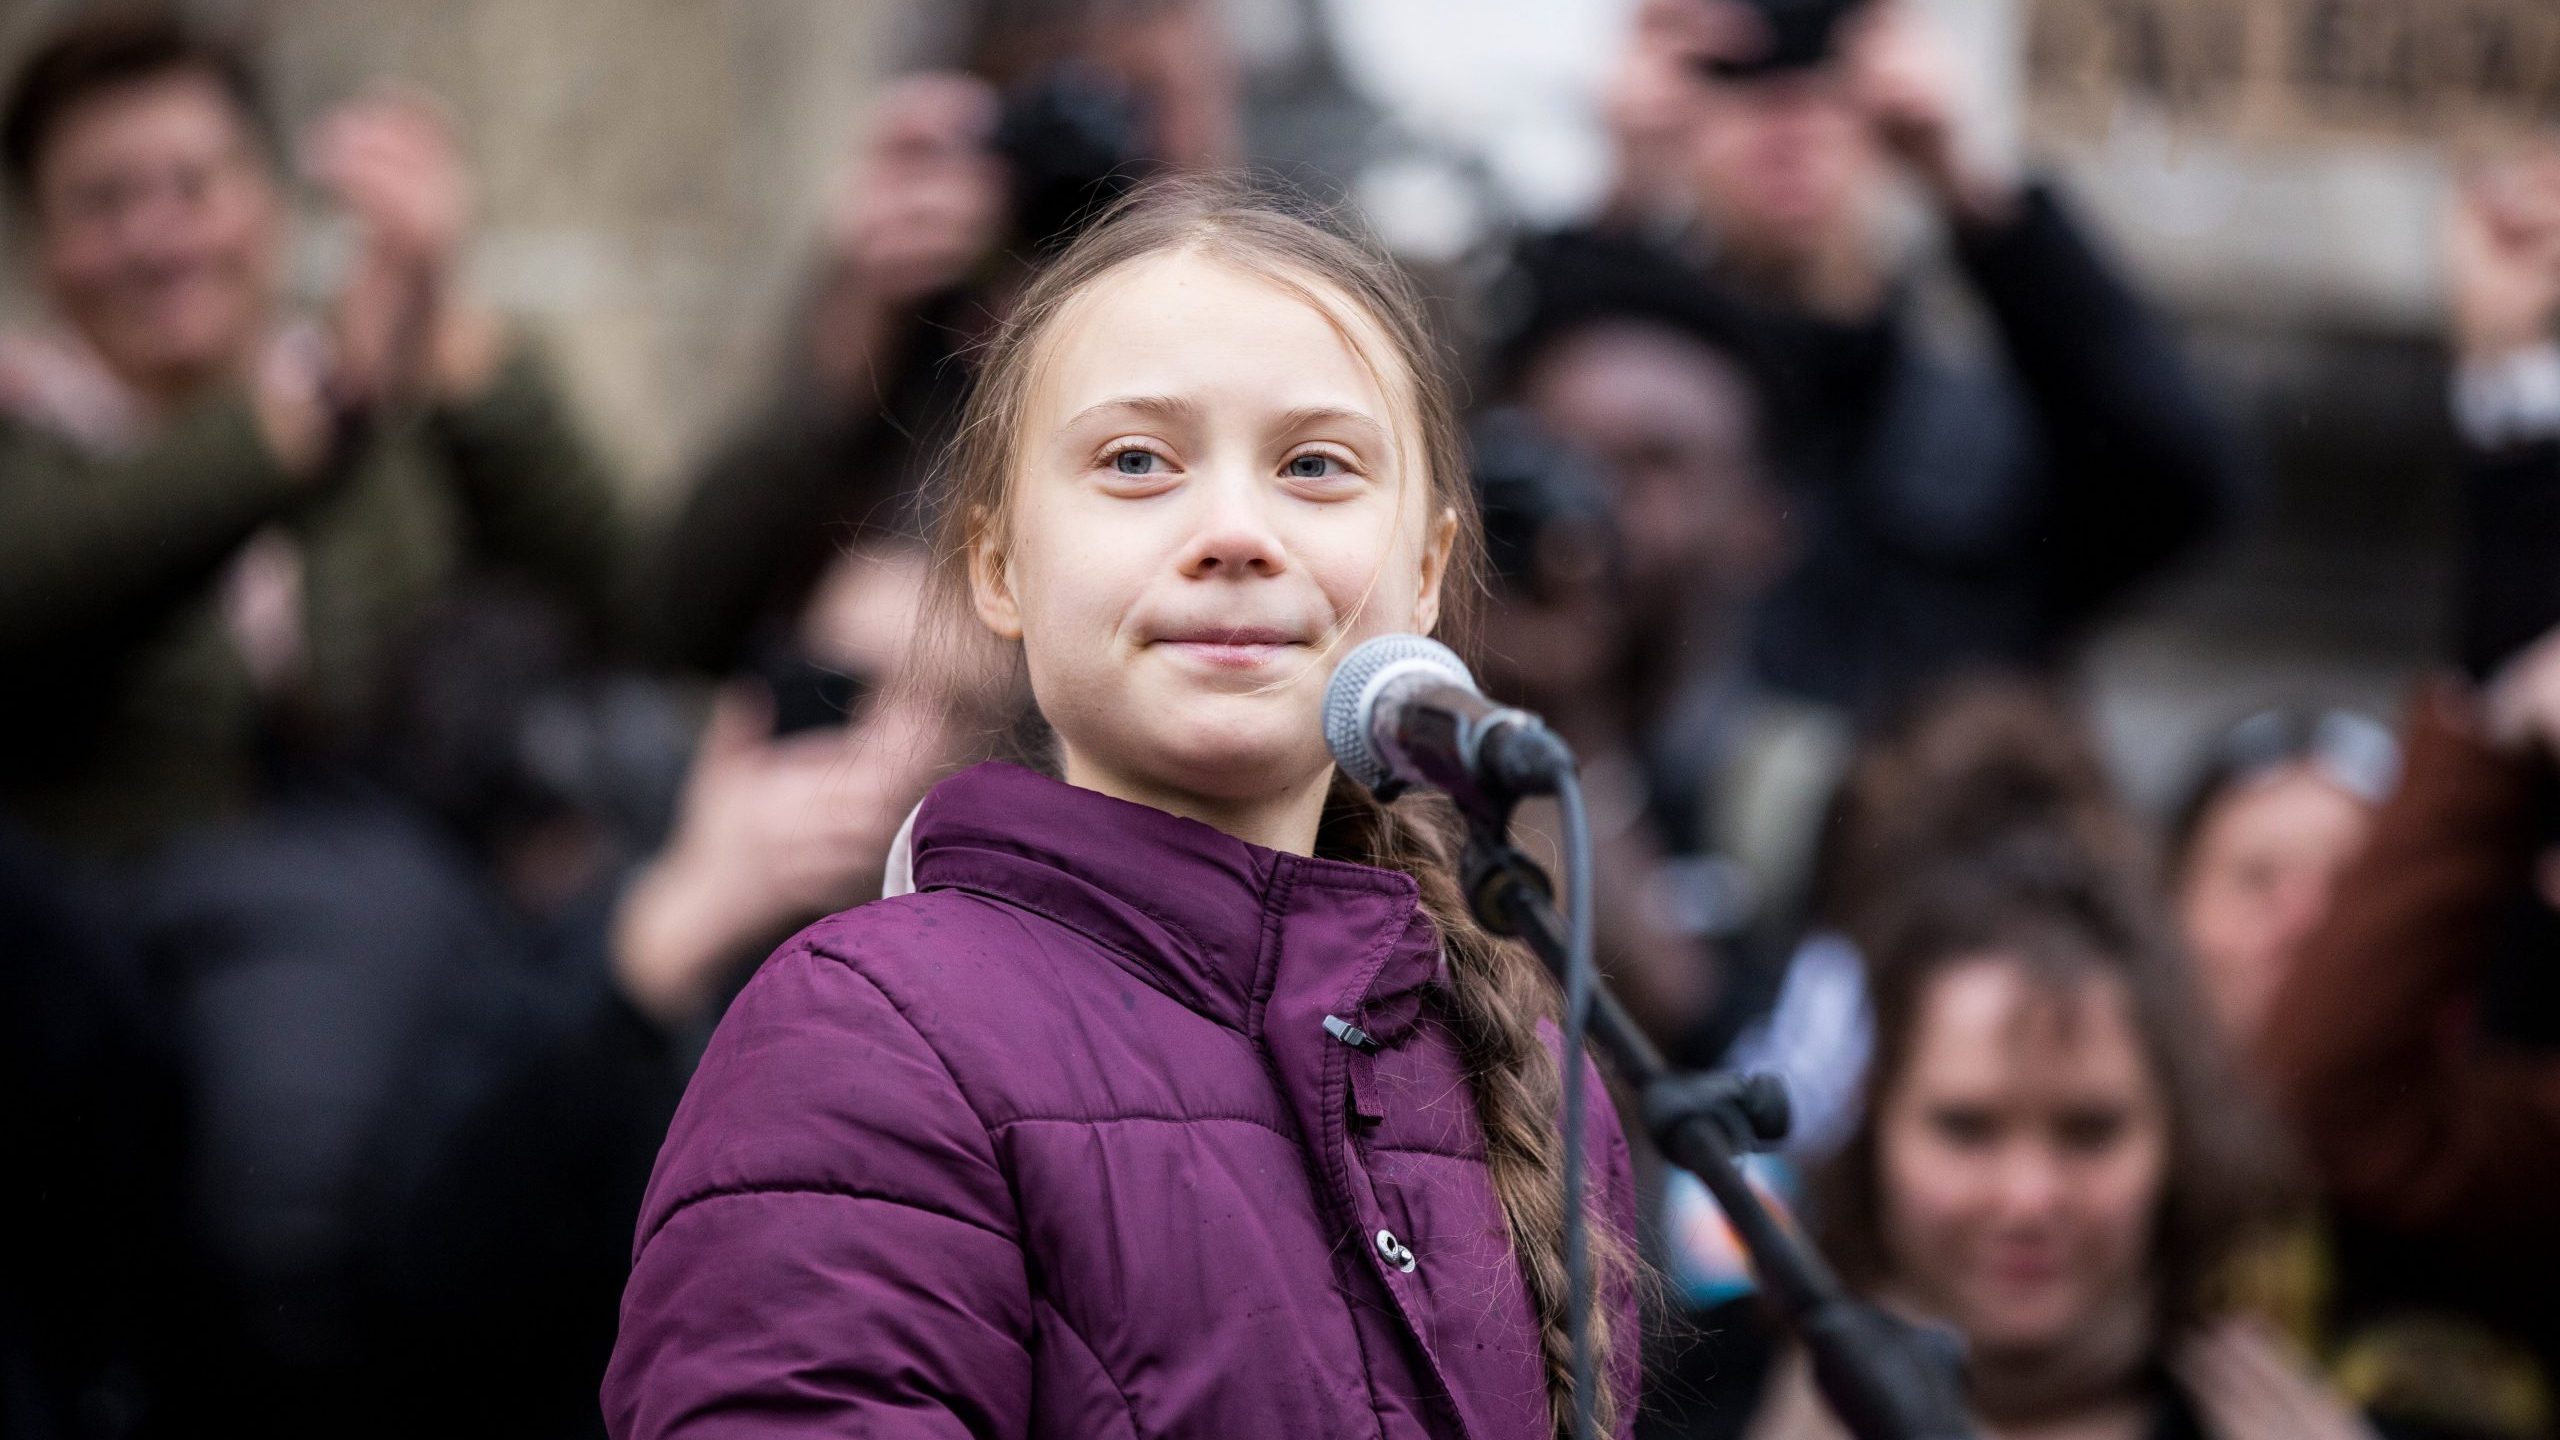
<point>310,611</point>
<point>2281,803</point>
<point>428,1037</point>
<point>1631,495</point>
<point>216,521</point>
<point>92,1118</point>
<point>498,1199</point>
<point>2045,1154</point>
<point>970,177</point>
<point>1950,511</point>
<point>2050,1162</point>
<point>1973,774</point>
<point>2411,1044</point>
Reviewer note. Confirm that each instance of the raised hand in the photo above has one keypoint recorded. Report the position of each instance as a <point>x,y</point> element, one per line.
<point>1905,84</point>
<point>391,161</point>
<point>2521,708</point>
<point>918,208</point>
<point>2502,256</point>
<point>770,833</point>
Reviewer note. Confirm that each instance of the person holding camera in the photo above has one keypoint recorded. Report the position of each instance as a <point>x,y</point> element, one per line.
<point>1953,512</point>
<point>970,176</point>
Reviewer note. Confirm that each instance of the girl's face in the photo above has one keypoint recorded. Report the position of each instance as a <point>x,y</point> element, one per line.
<point>1215,497</point>
<point>2022,1156</point>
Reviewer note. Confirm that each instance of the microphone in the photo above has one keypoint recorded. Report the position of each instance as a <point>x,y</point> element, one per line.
<point>1403,711</point>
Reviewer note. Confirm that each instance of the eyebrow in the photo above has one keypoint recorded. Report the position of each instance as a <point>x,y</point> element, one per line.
<point>1157,407</point>
<point>1310,417</point>
<point>1175,408</point>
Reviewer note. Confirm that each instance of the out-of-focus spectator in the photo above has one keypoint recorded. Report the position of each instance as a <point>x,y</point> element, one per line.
<point>1636,520</point>
<point>216,521</point>
<point>95,1279</point>
<point>2051,1163</point>
<point>2410,1042</point>
<point>1976,780</point>
<point>2281,803</point>
<point>508,1228</point>
<point>780,829</point>
<point>2436,1145</point>
<point>969,175</point>
<point>430,1051</point>
<point>2502,261</point>
<point>2502,256</point>
<point>1951,512</point>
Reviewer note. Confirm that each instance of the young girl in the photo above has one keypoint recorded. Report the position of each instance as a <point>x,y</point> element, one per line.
<point>1183,1099</point>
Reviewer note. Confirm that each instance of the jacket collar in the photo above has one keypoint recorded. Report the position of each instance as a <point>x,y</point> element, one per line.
<point>1197,913</point>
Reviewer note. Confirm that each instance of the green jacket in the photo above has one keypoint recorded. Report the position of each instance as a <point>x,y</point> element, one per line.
<point>132,711</point>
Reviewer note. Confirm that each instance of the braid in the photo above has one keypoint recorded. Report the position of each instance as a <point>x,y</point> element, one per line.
<point>1495,997</point>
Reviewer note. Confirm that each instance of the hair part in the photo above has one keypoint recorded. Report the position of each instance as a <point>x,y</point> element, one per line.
<point>113,49</point>
<point>1496,993</point>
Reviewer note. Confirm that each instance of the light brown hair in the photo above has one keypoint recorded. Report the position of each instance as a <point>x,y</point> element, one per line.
<point>1496,993</point>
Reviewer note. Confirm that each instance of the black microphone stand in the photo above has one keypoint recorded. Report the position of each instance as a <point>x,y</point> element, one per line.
<point>1885,1378</point>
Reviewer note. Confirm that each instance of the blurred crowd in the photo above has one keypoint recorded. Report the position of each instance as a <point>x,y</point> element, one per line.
<point>388,809</point>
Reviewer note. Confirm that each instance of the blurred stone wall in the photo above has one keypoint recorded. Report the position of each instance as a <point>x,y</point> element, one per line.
<point>649,171</point>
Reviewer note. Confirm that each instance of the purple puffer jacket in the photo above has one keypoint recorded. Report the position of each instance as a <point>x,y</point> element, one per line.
<point>1061,1146</point>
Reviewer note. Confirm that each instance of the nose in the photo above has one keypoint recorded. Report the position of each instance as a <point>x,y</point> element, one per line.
<point>1232,535</point>
<point>153,227</point>
<point>2029,1184</point>
<point>2301,901</point>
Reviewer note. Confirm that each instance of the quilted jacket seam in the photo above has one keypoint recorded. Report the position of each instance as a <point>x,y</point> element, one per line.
<point>1067,1327</point>
<point>899,1009</point>
<point>1258,1122</point>
<point>1145,964</point>
<point>833,1192</point>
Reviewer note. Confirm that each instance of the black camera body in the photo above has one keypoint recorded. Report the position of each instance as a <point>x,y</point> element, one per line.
<point>1547,517</point>
<point>1796,36</point>
<point>1075,140</point>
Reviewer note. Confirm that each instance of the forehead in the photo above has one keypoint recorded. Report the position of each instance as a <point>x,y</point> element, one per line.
<point>1987,1029</point>
<point>183,112</point>
<point>2297,802</point>
<point>1636,372</point>
<point>1189,326</point>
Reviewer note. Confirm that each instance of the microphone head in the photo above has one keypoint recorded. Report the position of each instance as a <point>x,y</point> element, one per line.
<point>1351,699</point>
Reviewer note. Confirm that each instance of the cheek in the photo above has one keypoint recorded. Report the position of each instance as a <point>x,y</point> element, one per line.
<point>1070,615</point>
<point>78,266</point>
<point>2222,910</point>
<point>247,231</point>
<point>2121,1202</point>
<point>1929,1195</point>
<point>1368,570</point>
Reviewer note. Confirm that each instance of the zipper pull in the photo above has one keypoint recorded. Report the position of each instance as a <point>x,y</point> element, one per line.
<point>1350,1034</point>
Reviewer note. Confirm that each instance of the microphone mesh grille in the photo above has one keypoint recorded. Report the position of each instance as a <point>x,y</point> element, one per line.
<point>1347,699</point>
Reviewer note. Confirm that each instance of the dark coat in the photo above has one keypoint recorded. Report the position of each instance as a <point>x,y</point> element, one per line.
<point>1061,1146</point>
<point>1961,515</point>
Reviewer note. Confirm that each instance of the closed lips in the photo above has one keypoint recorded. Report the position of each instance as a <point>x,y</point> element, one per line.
<point>1239,647</point>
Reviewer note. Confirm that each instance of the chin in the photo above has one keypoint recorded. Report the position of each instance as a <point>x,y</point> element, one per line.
<point>2021,1327</point>
<point>185,351</point>
<point>1236,760</point>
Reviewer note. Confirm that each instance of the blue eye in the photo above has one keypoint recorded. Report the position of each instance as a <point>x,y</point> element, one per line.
<point>1313,467</point>
<point>1134,462</point>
